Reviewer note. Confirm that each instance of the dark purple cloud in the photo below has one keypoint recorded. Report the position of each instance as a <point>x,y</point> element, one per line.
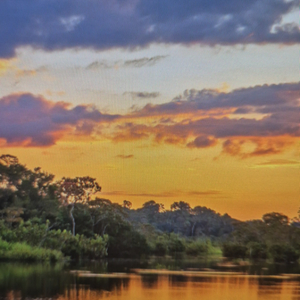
<point>261,99</point>
<point>102,24</point>
<point>31,120</point>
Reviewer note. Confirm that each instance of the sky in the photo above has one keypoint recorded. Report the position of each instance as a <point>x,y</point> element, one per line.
<point>165,100</point>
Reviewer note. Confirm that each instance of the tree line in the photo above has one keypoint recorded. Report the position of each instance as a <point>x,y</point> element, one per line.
<point>44,219</point>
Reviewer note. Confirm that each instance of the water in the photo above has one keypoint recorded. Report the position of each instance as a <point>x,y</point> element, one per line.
<point>25,281</point>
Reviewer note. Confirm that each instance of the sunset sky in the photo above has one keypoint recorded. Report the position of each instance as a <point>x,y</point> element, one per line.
<point>165,100</point>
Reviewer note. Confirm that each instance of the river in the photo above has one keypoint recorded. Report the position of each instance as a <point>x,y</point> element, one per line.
<point>139,280</point>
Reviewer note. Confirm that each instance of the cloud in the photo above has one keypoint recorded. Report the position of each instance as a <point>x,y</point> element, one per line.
<point>5,65</point>
<point>145,61</point>
<point>56,25</point>
<point>254,121</point>
<point>125,156</point>
<point>278,163</point>
<point>202,142</point>
<point>30,72</point>
<point>142,95</point>
<point>70,23</point>
<point>167,194</point>
<point>135,63</point>
<point>260,147</point>
<point>100,65</point>
<point>258,99</point>
<point>28,120</point>
<point>204,193</point>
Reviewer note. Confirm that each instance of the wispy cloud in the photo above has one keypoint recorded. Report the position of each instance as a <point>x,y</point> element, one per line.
<point>134,63</point>
<point>167,194</point>
<point>100,65</point>
<point>278,163</point>
<point>125,156</point>
<point>142,95</point>
<point>30,72</point>
<point>145,61</point>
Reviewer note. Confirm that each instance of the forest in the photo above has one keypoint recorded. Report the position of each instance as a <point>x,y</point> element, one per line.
<point>43,219</point>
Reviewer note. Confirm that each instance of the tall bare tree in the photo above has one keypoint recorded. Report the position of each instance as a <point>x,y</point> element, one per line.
<point>76,190</point>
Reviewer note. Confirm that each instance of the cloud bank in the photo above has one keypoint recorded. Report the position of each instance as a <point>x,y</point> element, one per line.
<point>101,24</point>
<point>255,121</point>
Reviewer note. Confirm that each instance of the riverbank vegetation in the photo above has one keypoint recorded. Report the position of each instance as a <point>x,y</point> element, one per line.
<point>46,220</point>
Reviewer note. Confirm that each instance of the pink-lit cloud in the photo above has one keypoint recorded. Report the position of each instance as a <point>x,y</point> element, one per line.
<point>28,120</point>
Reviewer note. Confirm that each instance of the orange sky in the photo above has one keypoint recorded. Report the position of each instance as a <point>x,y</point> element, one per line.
<point>140,171</point>
<point>158,100</point>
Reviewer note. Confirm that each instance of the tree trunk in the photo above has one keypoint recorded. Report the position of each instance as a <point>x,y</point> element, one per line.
<point>193,228</point>
<point>73,220</point>
<point>103,231</point>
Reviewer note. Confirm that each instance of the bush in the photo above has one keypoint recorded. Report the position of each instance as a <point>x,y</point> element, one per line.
<point>283,253</point>
<point>81,247</point>
<point>24,252</point>
<point>232,250</point>
<point>160,248</point>
<point>130,245</point>
<point>196,248</point>
<point>4,246</point>
<point>257,250</point>
<point>175,244</point>
<point>95,248</point>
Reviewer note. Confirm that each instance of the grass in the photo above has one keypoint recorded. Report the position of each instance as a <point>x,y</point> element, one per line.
<point>24,252</point>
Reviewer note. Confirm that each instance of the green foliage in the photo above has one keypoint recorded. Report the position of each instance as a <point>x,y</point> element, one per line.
<point>75,247</point>
<point>175,244</point>
<point>231,250</point>
<point>275,219</point>
<point>160,247</point>
<point>257,250</point>
<point>130,244</point>
<point>4,246</point>
<point>81,247</point>
<point>198,247</point>
<point>283,253</point>
<point>24,252</point>
<point>272,237</point>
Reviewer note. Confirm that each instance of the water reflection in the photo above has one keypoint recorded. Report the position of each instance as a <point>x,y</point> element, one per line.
<point>26,282</point>
<point>103,284</point>
<point>36,281</point>
<point>149,281</point>
<point>178,281</point>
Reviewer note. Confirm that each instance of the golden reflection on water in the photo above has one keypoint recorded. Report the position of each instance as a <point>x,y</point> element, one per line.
<point>174,287</point>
